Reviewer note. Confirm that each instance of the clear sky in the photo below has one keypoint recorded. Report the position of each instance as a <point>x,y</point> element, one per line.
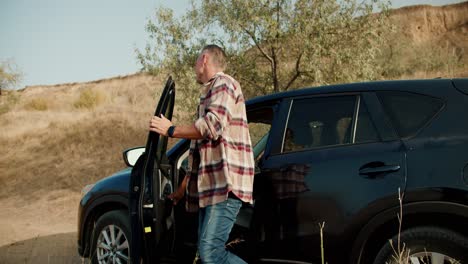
<point>59,41</point>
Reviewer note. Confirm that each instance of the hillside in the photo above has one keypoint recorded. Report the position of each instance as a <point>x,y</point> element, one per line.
<point>425,23</point>
<point>57,139</point>
<point>428,42</point>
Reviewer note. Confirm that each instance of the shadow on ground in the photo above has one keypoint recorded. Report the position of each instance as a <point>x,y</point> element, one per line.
<point>53,249</point>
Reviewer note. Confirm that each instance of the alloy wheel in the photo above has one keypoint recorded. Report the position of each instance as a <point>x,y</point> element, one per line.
<point>112,246</point>
<point>431,258</point>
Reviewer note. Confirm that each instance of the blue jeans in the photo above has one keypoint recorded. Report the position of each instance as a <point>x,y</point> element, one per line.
<point>215,224</point>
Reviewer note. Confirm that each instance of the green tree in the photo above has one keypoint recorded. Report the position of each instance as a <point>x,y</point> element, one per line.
<point>273,45</point>
<point>8,76</point>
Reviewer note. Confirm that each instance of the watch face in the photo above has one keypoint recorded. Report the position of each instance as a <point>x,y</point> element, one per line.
<point>170,131</point>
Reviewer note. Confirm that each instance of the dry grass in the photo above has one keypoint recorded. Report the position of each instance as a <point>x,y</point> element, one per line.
<point>67,156</point>
<point>8,100</point>
<point>49,156</point>
<point>89,99</point>
<point>37,104</point>
<point>430,40</point>
<point>65,147</point>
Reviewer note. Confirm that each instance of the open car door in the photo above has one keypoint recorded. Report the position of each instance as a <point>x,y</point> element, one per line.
<point>150,183</point>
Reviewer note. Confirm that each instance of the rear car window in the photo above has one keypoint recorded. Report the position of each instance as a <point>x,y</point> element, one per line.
<point>409,112</point>
<point>319,122</point>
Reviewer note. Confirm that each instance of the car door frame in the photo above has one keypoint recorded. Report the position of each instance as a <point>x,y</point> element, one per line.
<point>145,200</point>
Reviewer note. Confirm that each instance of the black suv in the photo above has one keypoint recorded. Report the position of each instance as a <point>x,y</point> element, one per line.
<point>338,156</point>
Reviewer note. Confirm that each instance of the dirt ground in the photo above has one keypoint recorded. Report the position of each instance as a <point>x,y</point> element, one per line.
<point>39,231</point>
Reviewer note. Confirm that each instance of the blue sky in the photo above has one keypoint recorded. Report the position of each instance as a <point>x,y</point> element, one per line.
<point>59,41</point>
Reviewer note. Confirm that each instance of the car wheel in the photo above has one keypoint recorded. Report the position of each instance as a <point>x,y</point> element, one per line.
<point>111,236</point>
<point>428,245</point>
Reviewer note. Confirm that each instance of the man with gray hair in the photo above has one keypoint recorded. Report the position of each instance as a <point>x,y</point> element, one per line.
<point>221,163</point>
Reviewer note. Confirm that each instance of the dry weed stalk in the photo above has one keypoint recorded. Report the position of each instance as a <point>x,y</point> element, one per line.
<point>401,255</point>
<point>322,251</point>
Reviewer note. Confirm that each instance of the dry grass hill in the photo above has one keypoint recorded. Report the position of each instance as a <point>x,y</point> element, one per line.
<point>56,139</point>
<point>425,23</point>
<point>428,42</point>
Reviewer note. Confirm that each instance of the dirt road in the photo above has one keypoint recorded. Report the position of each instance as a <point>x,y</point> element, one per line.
<point>52,249</point>
<point>40,230</point>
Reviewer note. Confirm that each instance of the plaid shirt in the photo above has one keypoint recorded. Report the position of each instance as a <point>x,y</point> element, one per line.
<point>222,161</point>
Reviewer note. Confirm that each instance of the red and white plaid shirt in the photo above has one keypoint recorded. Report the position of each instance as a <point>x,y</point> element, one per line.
<point>222,161</point>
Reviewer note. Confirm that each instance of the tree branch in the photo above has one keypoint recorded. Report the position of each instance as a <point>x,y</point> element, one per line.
<point>252,36</point>
<point>298,72</point>
<point>274,69</point>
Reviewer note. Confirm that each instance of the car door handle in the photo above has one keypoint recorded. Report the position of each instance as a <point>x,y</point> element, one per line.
<point>378,170</point>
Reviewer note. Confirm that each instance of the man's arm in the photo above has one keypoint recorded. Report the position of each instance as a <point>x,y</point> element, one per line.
<point>220,101</point>
<point>221,98</point>
<point>161,124</point>
<point>189,132</point>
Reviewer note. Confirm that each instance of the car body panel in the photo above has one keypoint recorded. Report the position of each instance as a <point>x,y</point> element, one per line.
<point>112,189</point>
<point>325,200</point>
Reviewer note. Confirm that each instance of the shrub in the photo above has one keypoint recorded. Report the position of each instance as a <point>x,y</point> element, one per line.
<point>89,99</point>
<point>37,104</point>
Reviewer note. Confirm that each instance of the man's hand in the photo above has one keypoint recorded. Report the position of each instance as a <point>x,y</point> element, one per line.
<point>177,195</point>
<point>160,125</point>
<point>180,192</point>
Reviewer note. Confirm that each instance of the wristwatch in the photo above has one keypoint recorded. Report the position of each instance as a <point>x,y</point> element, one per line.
<point>170,131</point>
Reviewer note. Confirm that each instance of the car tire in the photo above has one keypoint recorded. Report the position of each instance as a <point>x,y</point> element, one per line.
<point>111,238</point>
<point>424,243</point>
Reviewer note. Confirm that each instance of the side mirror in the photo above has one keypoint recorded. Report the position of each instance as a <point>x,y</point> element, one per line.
<point>131,155</point>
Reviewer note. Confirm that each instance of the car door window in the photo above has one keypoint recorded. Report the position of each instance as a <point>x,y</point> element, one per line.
<point>318,122</point>
<point>409,112</point>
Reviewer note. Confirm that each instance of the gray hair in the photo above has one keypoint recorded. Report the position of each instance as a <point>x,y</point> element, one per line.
<point>218,55</point>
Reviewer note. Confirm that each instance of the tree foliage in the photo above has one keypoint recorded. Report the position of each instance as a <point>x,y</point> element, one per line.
<point>8,76</point>
<point>272,45</point>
